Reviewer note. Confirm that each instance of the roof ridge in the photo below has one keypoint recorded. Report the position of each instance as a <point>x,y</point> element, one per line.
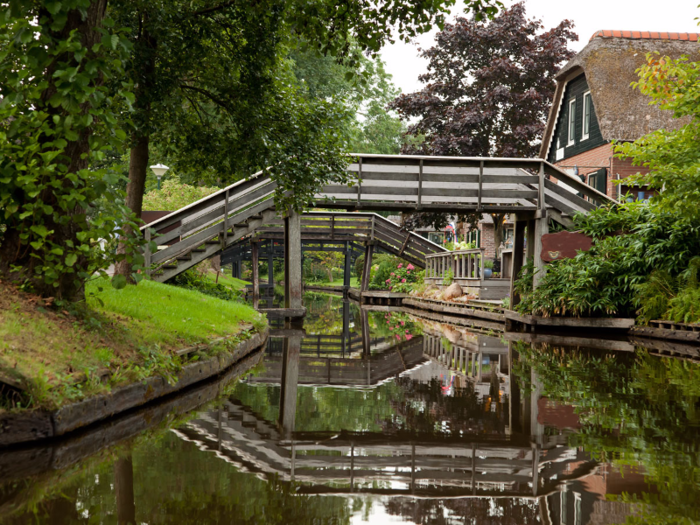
<point>645,35</point>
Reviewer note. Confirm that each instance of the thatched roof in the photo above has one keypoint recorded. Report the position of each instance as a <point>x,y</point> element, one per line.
<point>610,61</point>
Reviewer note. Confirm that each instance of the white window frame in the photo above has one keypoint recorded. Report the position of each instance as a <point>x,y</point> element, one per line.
<point>587,102</point>
<point>571,124</point>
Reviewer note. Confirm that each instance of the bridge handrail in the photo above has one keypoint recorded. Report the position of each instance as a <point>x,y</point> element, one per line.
<point>463,263</point>
<point>238,187</point>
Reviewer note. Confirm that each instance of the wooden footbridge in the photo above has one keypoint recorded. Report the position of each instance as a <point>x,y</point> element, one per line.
<point>528,188</point>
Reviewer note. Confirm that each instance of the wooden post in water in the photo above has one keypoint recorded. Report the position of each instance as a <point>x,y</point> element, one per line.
<point>256,274</point>
<point>367,267</point>
<point>514,419</point>
<point>518,242</point>
<point>366,339</point>
<point>290,381</point>
<point>292,261</point>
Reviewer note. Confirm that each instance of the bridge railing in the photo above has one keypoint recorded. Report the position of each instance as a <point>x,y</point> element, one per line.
<point>408,182</point>
<point>464,265</point>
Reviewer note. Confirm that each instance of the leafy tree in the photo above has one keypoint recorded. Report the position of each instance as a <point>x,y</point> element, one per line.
<point>175,195</point>
<point>56,116</point>
<point>672,156</point>
<point>488,88</point>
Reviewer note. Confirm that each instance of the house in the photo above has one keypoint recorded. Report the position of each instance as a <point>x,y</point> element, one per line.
<point>594,105</point>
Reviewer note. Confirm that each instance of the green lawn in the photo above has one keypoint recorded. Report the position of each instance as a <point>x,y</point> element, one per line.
<point>354,283</point>
<point>233,282</point>
<point>126,334</point>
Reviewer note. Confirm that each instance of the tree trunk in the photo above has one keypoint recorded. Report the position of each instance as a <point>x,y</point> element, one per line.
<point>497,229</point>
<point>17,258</point>
<point>138,165</point>
<point>124,490</point>
<point>138,161</point>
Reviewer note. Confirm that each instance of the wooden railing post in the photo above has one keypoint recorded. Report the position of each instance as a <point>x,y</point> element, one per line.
<point>420,184</point>
<point>359,182</point>
<point>225,236</point>
<point>256,273</point>
<point>147,253</point>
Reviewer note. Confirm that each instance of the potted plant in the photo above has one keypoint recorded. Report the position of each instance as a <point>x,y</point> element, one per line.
<point>488,268</point>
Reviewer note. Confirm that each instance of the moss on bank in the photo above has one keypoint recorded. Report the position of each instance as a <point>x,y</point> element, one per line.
<point>50,356</point>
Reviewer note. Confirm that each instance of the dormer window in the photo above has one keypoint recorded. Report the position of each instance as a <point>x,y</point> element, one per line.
<point>572,122</point>
<point>586,127</point>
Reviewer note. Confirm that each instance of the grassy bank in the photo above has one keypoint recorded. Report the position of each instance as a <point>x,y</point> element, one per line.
<point>52,356</point>
<point>232,282</point>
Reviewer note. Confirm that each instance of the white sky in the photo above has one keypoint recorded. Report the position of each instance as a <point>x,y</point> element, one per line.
<point>589,16</point>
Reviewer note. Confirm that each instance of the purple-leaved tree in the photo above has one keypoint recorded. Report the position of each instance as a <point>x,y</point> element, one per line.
<point>487,91</point>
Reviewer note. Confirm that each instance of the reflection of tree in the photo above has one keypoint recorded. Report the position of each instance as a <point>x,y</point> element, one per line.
<point>634,410</point>
<point>175,482</point>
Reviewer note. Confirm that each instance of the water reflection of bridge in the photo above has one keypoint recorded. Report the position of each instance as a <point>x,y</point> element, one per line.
<point>376,463</point>
<point>488,461</point>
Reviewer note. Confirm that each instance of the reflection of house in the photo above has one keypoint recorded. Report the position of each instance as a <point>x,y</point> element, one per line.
<point>594,105</point>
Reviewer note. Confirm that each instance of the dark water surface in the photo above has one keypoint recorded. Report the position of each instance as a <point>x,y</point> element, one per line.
<point>377,417</point>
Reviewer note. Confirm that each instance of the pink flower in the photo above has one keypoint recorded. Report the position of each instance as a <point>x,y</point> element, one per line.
<point>406,330</point>
<point>398,337</point>
<point>387,281</point>
<point>400,265</point>
<point>388,322</point>
<point>403,280</point>
<point>410,267</point>
<point>409,337</point>
<point>392,274</point>
<point>408,273</point>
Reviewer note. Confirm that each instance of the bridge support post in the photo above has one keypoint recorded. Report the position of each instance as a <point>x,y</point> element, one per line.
<point>292,261</point>
<point>290,381</point>
<point>518,242</point>
<point>270,263</point>
<point>346,326</point>
<point>530,244</point>
<point>541,228</point>
<point>254,246</point>
<point>348,267</point>
<point>367,267</point>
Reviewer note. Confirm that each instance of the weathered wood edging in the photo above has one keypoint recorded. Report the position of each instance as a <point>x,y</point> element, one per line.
<point>569,322</point>
<point>38,458</point>
<point>466,310</point>
<point>40,424</point>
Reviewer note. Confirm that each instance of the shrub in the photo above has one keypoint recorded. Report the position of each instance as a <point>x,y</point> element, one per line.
<point>630,242</point>
<point>449,277</point>
<point>193,280</point>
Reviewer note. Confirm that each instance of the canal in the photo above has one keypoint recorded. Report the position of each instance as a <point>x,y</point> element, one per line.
<point>381,417</point>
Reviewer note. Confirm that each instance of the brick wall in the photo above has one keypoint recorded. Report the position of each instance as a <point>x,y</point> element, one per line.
<point>487,240</point>
<point>602,157</point>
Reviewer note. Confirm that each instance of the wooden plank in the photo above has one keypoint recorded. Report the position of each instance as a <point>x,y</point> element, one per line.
<point>569,198</point>
<point>571,322</point>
